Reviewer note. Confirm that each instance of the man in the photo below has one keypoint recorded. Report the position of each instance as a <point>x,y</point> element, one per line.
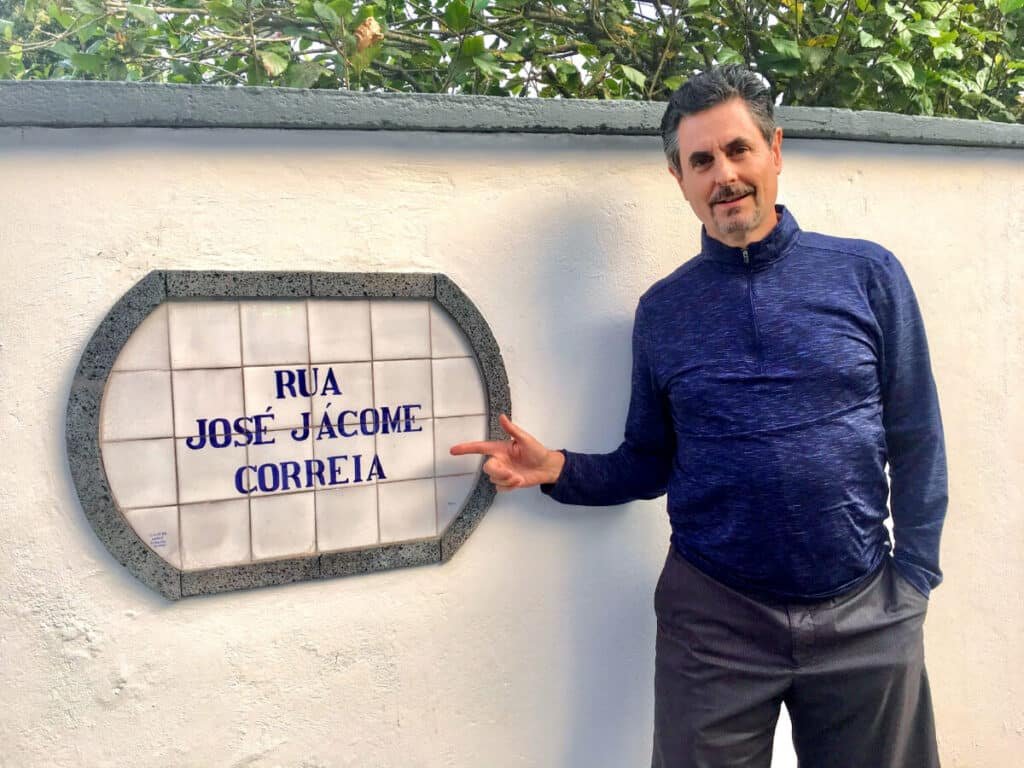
<point>774,376</point>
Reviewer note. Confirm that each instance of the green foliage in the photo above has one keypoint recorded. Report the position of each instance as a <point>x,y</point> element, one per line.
<point>963,59</point>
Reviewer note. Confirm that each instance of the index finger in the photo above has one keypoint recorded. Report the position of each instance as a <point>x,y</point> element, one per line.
<point>488,447</point>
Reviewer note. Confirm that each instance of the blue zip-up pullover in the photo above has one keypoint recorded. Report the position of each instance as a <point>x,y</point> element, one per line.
<point>770,386</point>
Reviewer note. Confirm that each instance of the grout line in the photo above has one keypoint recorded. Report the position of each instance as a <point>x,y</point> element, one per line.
<point>296,362</point>
<point>286,428</point>
<point>433,437</point>
<point>241,357</point>
<point>309,367</point>
<point>373,396</point>
<point>174,450</point>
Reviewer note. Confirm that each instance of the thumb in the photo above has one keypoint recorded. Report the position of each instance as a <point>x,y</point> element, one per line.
<point>514,430</point>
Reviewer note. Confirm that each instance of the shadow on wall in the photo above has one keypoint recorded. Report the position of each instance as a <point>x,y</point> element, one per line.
<point>608,624</point>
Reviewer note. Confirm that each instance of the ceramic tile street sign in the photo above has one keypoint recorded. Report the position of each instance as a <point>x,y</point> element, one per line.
<point>247,438</point>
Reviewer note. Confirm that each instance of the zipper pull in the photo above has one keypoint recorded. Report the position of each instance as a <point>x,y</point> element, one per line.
<point>746,256</point>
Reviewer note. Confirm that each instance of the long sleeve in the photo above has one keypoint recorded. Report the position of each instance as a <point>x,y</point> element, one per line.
<point>914,440</point>
<point>639,468</point>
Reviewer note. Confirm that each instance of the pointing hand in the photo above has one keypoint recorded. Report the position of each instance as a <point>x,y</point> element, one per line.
<point>520,462</point>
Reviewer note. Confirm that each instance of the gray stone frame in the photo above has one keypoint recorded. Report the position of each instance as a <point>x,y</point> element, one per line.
<point>98,104</point>
<point>83,422</point>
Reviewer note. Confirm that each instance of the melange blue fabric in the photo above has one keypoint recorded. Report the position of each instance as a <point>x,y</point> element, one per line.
<point>770,387</point>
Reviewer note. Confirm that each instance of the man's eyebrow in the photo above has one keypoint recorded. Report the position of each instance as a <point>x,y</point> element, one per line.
<point>699,155</point>
<point>732,146</point>
<point>739,141</point>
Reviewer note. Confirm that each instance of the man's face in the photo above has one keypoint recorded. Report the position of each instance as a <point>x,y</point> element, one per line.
<point>729,173</point>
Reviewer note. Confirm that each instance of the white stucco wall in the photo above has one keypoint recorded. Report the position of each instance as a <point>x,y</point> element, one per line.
<point>534,645</point>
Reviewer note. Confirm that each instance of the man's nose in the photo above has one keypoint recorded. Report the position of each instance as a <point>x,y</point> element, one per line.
<point>725,171</point>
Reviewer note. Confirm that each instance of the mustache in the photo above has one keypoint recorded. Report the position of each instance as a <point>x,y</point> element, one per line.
<point>728,193</point>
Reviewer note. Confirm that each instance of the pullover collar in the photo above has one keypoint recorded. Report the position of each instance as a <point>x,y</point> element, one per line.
<point>760,253</point>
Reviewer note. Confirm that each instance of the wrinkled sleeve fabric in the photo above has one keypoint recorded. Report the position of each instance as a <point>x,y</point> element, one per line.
<point>918,488</point>
<point>639,468</point>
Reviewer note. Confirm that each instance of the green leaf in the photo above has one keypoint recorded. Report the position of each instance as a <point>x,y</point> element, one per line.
<point>273,64</point>
<point>634,76</point>
<point>473,46</point>
<point>930,9</point>
<point>696,5</point>
<point>302,74</point>
<point>587,49</point>
<point>456,16</point>
<point>924,27</point>
<point>730,56</point>
<point>87,62</point>
<point>673,82</point>
<point>5,66</point>
<point>475,6</point>
<point>488,67</point>
<point>868,40</point>
<point>904,70</point>
<point>145,15</point>
<point>88,7</point>
<point>63,49</point>
<point>788,48</point>
<point>327,14</point>
<point>224,11</point>
<point>1009,6</point>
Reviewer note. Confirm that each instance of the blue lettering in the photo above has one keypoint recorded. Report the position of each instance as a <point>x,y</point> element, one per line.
<point>290,471</point>
<point>301,433</point>
<point>410,419</point>
<point>363,416</point>
<point>333,464</point>
<point>284,379</point>
<point>201,437</point>
<point>330,384</point>
<point>268,477</point>
<point>238,480</point>
<point>220,433</point>
<point>376,470</point>
<point>314,469</point>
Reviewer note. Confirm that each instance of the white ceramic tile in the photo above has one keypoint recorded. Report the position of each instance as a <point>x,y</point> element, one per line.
<point>446,338</point>
<point>354,380</point>
<point>346,518</point>
<point>147,348</point>
<point>408,455</point>
<point>206,394</point>
<point>460,429</point>
<point>281,466</point>
<point>339,330</point>
<point>348,471</point>
<point>208,474</point>
<point>137,404</point>
<point>283,526</point>
<point>404,382</point>
<point>407,510</point>
<point>401,329</point>
<point>214,534</point>
<point>141,472</point>
<point>158,527</point>
<point>452,493</point>
<point>458,387</point>
<point>204,334</point>
<point>263,385</point>
<point>274,333</point>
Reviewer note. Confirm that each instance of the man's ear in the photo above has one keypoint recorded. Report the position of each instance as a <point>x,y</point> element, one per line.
<point>777,150</point>
<point>678,176</point>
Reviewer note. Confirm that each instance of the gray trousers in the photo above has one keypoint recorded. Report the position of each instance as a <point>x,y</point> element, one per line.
<point>850,671</point>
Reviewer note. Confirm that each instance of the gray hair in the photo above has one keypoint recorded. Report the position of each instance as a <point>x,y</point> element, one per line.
<point>712,87</point>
